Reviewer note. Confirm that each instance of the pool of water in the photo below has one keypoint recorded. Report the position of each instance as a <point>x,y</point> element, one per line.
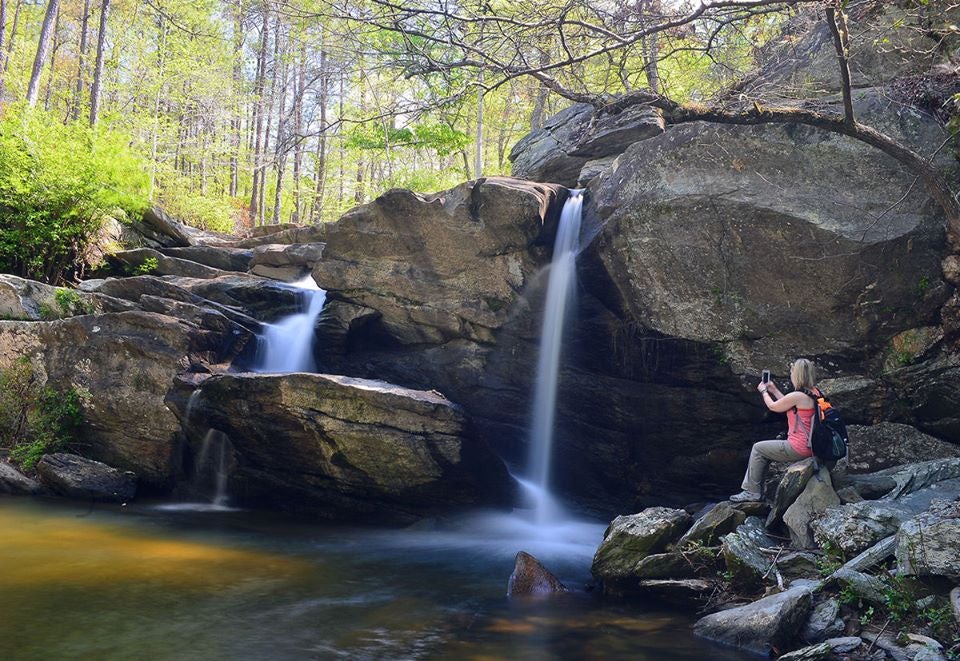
<point>145,582</point>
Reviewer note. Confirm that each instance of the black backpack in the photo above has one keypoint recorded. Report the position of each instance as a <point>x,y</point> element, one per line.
<point>828,438</point>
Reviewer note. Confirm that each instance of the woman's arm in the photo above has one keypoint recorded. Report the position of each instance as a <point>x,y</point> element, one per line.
<point>772,388</point>
<point>785,403</point>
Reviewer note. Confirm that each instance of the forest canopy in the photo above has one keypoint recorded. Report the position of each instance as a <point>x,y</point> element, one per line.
<point>236,112</point>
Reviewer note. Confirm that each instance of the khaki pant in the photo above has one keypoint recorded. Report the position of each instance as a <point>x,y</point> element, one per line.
<point>762,454</point>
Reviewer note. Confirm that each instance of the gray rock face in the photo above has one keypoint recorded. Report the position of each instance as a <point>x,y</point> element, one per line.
<point>342,448</point>
<point>629,539</point>
<point>126,362</point>
<point>771,622</point>
<point>136,262</point>
<point>16,483</point>
<point>745,553</point>
<point>286,262</point>
<point>817,496</point>
<point>928,544</point>
<point>735,197</point>
<point>707,530</point>
<point>75,477</point>
<point>221,257</point>
<point>824,622</point>
<point>531,578</point>
<point>791,485</point>
<point>887,444</point>
<point>568,140</point>
<point>28,300</point>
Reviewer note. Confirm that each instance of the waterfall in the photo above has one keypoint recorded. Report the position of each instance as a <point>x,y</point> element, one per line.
<point>287,346</point>
<point>561,287</point>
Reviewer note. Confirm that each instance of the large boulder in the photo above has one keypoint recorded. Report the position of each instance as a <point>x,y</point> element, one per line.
<point>217,257</point>
<point>748,554</point>
<point>629,539</point>
<point>14,482</point>
<point>287,262</point>
<point>928,544</point>
<point>438,267</point>
<point>816,497</point>
<point>719,520</point>
<point>769,623</point>
<point>29,300</point>
<point>146,261</point>
<point>123,364</point>
<point>748,206</point>
<point>559,151</point>
<point>76,477</point>
<point>888,444</point>
<point>342,448</point>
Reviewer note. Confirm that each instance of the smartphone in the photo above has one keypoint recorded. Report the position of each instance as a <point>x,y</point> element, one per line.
<point>765,376</point>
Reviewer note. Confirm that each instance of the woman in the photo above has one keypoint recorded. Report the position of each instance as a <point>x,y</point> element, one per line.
<point>799,409</point>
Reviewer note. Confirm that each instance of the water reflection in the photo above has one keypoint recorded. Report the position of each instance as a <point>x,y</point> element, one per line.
<point>115,583</point>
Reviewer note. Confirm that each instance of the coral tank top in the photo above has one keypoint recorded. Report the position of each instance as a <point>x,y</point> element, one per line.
<point>797,435</point>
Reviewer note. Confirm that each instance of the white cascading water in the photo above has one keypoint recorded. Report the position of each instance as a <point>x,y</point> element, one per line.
<point>561,287</point>
<point>287,345</point>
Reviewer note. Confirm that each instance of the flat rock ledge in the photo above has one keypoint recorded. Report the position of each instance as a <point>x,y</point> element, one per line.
<point>72,476</point>
<point>340,447</point>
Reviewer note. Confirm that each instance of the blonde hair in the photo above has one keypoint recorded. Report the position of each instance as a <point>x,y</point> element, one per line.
<point>803,373</point>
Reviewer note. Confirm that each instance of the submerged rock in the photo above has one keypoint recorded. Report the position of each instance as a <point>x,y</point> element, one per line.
<point>72,476</point>
<point>531,578</point>
<point>769,623</point>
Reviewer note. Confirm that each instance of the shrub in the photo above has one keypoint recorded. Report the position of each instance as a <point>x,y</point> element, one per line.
<point>36,419</point>
<point>57,184</point>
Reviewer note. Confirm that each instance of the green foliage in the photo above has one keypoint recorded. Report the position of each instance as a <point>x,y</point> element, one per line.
<point>57,184</point>
<point>70,303</point>
<point>36,419</point>
<point>866,616</point>
<point>147,266</point>
<point>899,598</point>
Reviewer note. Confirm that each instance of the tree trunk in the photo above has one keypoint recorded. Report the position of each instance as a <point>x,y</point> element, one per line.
<point>235,120</point>
<point>282,144</point>
<point>98,69</point>
<point>3,34</point>
<point>53,62</point>
<point>76,102</point>
<point>43,47</point>
<point>320,164</point>
<point>259,88</point>
<point>298,92</point>
<point>478,156</point>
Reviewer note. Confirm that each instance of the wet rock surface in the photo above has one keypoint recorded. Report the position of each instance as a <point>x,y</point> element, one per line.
<point>531,578</point>
<point>76,477</point>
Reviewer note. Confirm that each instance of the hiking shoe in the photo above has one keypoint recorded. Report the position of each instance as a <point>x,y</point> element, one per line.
<point>745,497</point>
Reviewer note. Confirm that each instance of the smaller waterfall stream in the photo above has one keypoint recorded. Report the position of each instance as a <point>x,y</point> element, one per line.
<point>287,345</point>
<point>561,287</point>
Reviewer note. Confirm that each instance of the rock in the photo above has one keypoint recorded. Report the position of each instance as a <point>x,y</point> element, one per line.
<point>338,322</point>
<point>15,483</point>
<point>798,564</point>
<point>665,566</point>
<point>22,299</point>
<point>219,257</point>
<point>849,495</point>
<point>256,297</point>
<point>866,587</point>
<point>123,364</point>
<point>286,262</point>
<point>924,648</point>
<point>631,538</point>
<point>678,592</point>
<point>568,140</point>
<point>286,234</point>
<point>951,269</point>
<point>824,622</point>
<point>733,196</point>
<point>817,496</point>
<point>927,544</point>
<point>769,623</point>
<point>707,530</point>
<point>429,267</point>
<point>888,644</point>
<point>530,578</point>
<point>72,476</point>
<point>857,526</point>
<point>845,644</point>
<point>811,653</point>
<point>890,444</point>
<point>791,485</point>
<point>162,231</point>
<point>955,602</point>
<point>744,553</point>
<point>140,261</point>
<point>342,448</point>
